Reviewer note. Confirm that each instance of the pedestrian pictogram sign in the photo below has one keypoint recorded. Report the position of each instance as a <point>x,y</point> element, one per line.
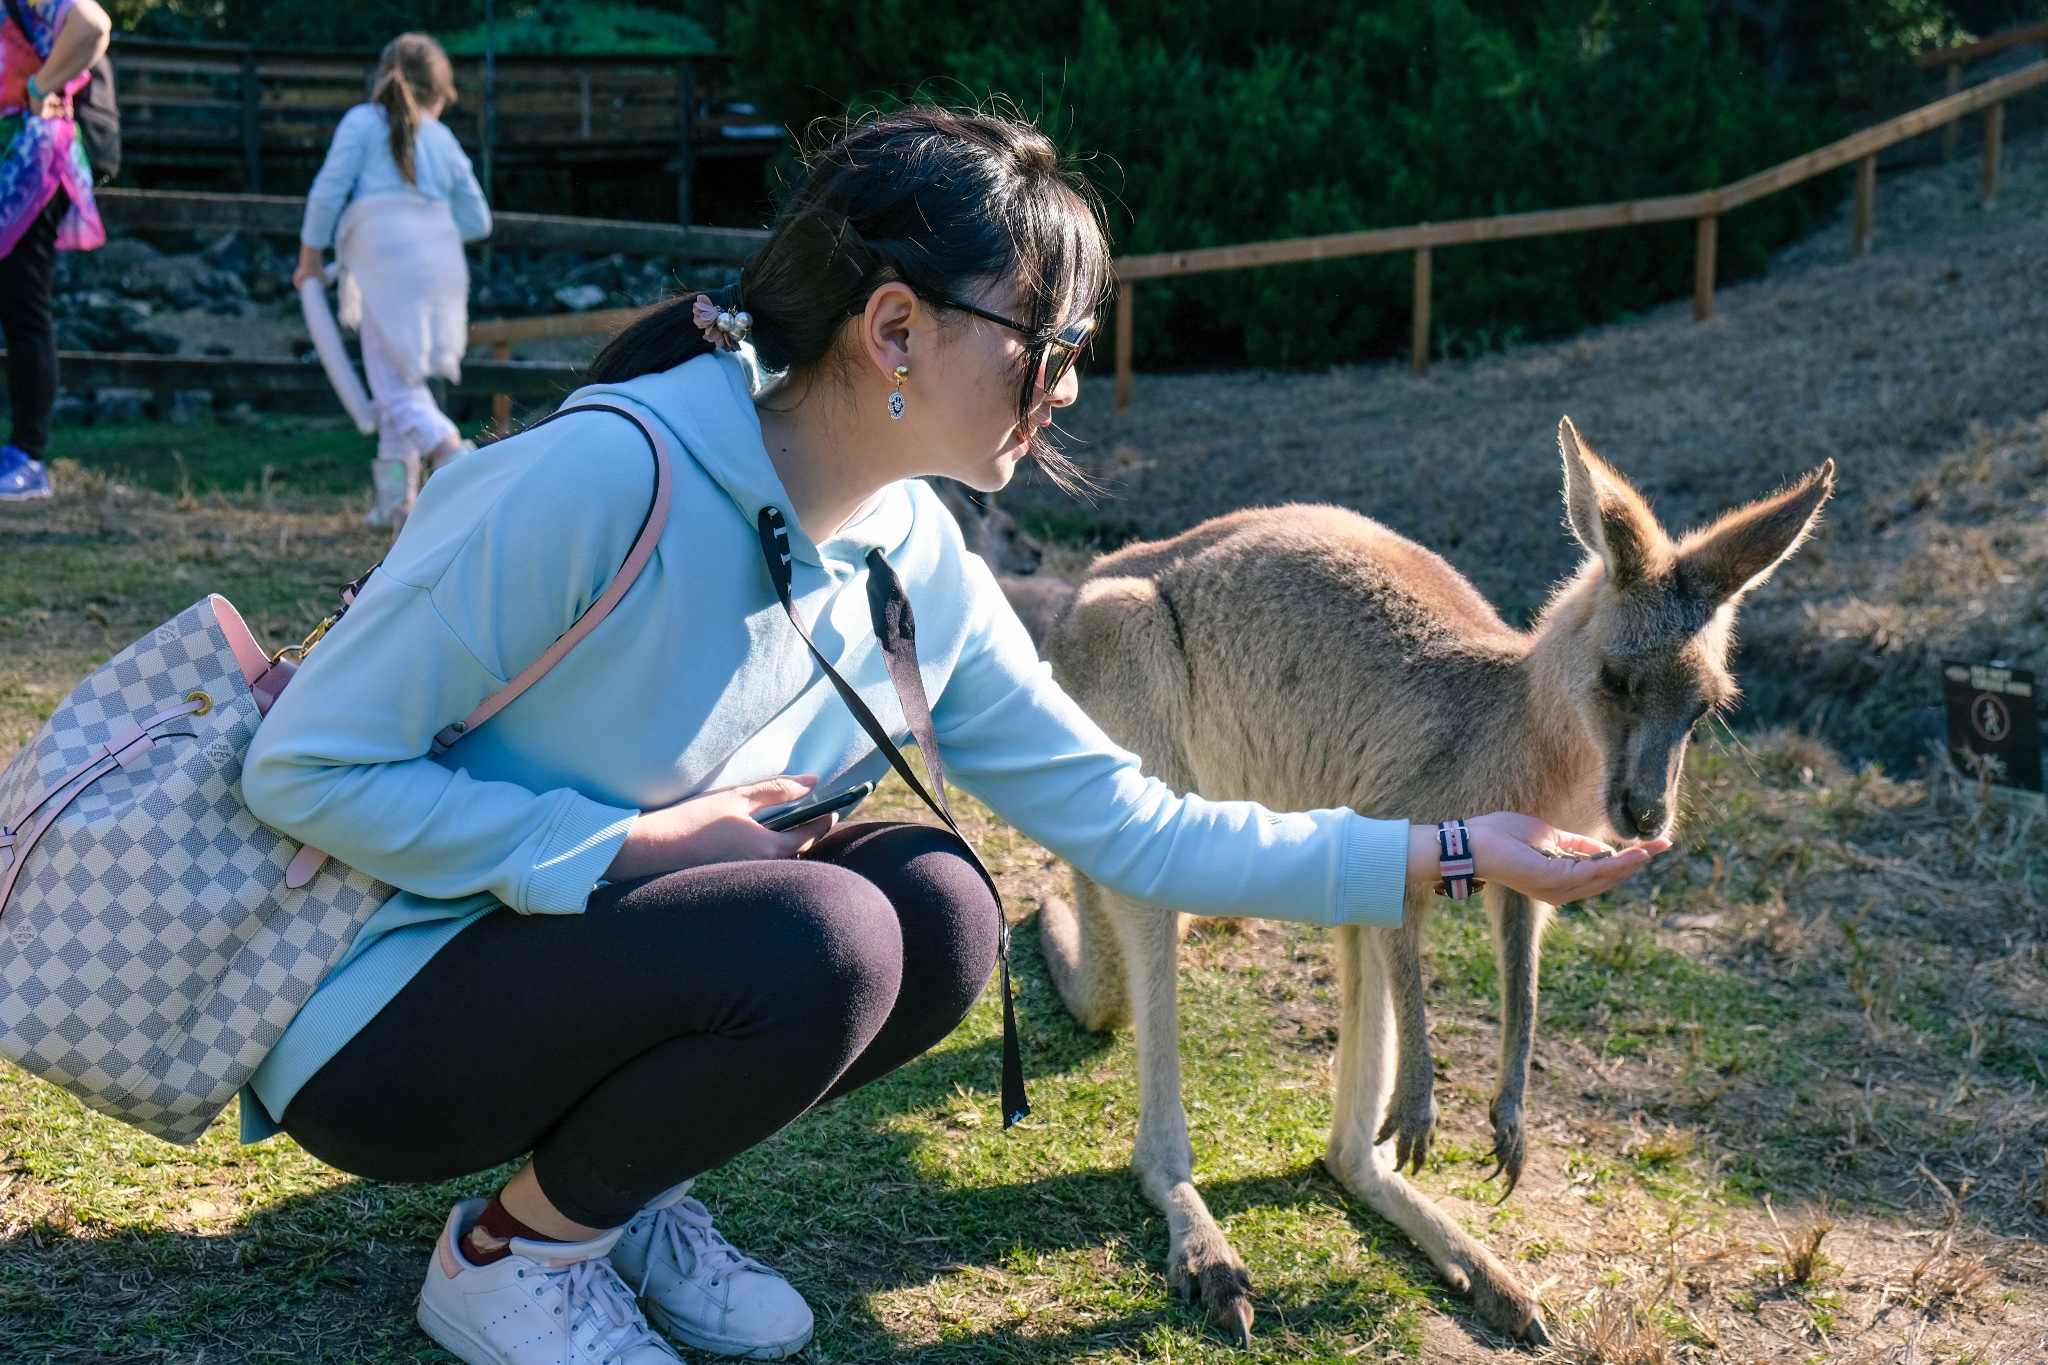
<point>1991,726</point>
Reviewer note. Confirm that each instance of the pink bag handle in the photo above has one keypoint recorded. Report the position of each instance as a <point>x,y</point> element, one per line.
<point>593,616</point>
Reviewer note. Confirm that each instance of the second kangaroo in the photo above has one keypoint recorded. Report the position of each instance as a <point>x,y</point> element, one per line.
<point>1306,657</point>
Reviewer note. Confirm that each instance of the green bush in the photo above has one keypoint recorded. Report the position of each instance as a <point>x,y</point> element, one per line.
<point>523,25</point>
<point>1210,123</point>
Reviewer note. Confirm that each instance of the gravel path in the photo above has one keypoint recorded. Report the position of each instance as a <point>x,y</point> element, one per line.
<point>1883,364</point>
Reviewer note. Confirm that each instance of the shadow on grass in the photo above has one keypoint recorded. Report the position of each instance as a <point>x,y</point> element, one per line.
<point>1063,1265</point>
<point>916,1228</point>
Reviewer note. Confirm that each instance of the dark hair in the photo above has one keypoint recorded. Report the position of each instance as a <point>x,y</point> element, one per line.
<point>942,200</point>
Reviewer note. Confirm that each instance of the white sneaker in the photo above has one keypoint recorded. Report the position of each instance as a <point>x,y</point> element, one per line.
<point>548,1303</point>
<point>701,1290</point>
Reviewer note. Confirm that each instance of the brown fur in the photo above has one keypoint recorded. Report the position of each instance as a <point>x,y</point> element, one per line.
<point>1037,597</point>
<point>1307,657</point>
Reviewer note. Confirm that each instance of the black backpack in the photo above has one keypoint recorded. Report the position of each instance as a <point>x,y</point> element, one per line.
<point>97,112</point>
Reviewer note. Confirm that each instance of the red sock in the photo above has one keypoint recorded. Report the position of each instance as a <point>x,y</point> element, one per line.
<point>490,1237</point>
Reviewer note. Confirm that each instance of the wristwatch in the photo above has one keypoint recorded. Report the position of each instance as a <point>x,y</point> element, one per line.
<point>1454,859</point>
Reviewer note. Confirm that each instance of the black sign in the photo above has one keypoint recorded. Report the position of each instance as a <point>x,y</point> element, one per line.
<point>1991,723</point>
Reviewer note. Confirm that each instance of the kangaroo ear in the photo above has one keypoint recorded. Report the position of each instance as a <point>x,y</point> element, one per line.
<point>1609,517</point>
<point>1734,554</point>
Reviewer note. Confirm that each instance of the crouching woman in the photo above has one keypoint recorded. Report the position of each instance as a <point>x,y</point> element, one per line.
<point>599,960</point>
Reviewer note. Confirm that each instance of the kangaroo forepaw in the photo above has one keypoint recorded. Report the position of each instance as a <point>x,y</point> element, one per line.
<point>1411,1120</point>
<point>1509,1145</point>
<point>1215,1278</point>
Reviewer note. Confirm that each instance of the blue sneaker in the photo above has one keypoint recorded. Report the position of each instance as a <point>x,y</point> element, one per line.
<point>21,477</point>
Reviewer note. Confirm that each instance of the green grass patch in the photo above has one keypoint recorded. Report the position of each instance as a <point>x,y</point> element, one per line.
<point>287,455</point>
<point>916,1226</point>
<point>302,454</point>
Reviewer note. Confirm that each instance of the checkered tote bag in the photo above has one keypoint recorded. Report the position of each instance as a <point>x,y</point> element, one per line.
<point>155,937</point>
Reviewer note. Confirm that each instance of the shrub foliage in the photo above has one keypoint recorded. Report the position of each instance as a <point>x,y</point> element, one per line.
<point>1208,122</point>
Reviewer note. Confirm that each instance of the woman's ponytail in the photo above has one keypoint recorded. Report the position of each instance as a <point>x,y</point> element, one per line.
<point>659,340</point>
<point>412,70</point>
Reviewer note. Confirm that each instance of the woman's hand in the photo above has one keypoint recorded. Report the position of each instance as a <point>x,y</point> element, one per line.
<point>51,107</point>
<point>717,827</point>
<point>311,265</point>
<point>1526,855</point>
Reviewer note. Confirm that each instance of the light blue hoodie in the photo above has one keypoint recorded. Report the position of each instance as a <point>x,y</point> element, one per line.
<point>695,681</point>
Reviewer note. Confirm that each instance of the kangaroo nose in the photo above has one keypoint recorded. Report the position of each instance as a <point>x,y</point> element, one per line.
<point>1650,819</point>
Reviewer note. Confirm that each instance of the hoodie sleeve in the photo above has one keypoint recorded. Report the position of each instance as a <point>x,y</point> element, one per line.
<point>336,180</point>
<point>1012,737</point>
<point>472,212</point>
<point>342,761</point>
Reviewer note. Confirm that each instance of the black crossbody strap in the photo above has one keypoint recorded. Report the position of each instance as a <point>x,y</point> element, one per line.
<point>896,631</point>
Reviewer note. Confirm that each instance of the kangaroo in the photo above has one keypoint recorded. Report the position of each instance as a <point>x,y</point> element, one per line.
<point>993,534</point>
<point>1307,657</point>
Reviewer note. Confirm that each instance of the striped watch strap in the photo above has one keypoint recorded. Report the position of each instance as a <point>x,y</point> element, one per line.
<point>1454,857</point>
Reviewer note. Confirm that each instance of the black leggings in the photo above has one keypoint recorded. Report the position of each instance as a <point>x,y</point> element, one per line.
<point>672,1025</point>
<point>25,276</point>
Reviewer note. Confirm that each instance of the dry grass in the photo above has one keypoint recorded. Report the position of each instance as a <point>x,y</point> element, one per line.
<point>1618,1330</point>
<point>1799,1248</point>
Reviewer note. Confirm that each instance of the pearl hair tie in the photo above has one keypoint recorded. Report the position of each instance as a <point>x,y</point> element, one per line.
<point>723,329</point>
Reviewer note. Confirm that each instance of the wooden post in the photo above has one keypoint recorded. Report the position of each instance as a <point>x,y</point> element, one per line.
<point>501,403</point>
<point>1703,267</point>
<point>1951,136</point>
<point>686,125</point>
<point>1994,137</point>
<point>1418,330</point>
<point>252,127</point>
<point>1126,305</point>
<point>1866,206</point>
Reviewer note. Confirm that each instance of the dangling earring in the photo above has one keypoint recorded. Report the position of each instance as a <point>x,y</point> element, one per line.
<point>896,398</point>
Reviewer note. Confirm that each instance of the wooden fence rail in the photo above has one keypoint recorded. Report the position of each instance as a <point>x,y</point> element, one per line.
<point>1704,208</point>
<point>227,112</point>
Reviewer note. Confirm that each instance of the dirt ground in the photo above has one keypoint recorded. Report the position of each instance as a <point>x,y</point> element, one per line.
<point>1684,1160</point>
<point>1920,371</point>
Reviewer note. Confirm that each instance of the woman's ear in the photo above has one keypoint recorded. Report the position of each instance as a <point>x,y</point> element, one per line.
<point>886,324</point>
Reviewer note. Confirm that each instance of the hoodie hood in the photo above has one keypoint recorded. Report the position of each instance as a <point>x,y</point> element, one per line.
<point>708,405</point>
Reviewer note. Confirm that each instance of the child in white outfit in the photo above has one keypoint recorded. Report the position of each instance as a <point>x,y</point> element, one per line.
<point>397,198</point>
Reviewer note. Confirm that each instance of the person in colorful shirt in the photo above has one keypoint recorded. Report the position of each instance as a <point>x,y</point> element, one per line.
<point>46,206</point>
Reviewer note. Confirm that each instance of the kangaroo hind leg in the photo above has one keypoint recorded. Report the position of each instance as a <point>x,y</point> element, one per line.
<point>1079,944</point>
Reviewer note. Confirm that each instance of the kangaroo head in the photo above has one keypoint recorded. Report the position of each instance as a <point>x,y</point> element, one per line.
<point>1655,621</point>
<point>988,530</point>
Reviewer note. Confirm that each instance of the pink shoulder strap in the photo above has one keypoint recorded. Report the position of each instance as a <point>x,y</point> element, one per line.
<point>593,616</point>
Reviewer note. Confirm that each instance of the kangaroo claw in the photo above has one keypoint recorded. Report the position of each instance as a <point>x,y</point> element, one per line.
<point>1225,1292</point>
<point>1509,1147</point>
<point>1216,1279</point>
<point>1411,1122</point>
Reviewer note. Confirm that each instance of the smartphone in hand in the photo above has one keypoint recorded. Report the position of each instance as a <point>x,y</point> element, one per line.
<point>791,817</point>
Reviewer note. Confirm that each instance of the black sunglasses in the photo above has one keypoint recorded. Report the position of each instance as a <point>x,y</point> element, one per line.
<point>1056,354</point>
